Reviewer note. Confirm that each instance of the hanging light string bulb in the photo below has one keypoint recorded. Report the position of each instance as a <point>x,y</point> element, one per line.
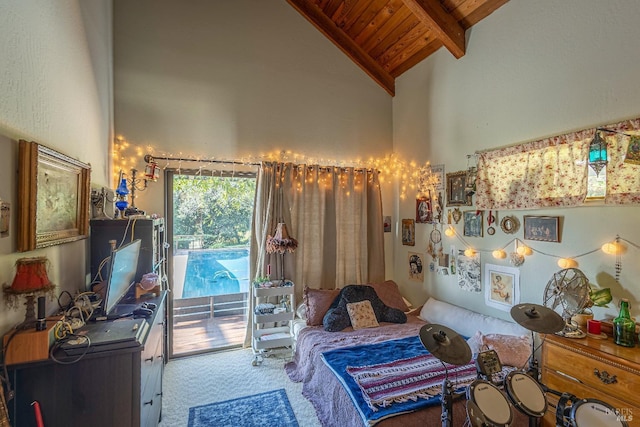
<point>616,247</point>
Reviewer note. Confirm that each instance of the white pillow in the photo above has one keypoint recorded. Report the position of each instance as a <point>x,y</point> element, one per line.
<point>301,311</point>
<point>466,322</point>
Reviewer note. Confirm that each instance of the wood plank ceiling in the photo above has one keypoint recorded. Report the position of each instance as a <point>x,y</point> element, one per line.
<point>388,37</point>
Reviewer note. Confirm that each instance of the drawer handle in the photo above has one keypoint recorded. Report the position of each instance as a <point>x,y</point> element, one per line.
<point>150,359</point>
<point>605,377</point>
<point>149,402</point>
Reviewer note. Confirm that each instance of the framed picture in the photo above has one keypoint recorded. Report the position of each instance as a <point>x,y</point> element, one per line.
<point>53,197</point>
<point>502,286</point>
<point>542,228</point>
<point>416,272</point>
<point>473,223</point>
<point>438,173</point>
<point>386,221</point>
<point>456,195</point>
<point>423,210</point>
<point>408,232</point>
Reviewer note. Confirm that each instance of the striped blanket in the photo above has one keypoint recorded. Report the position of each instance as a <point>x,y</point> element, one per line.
<point>373,376</point>
<point>407,379</point>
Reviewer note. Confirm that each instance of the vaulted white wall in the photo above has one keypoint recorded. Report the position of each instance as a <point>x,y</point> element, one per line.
<point>55,89</point>
<point>532,69</point>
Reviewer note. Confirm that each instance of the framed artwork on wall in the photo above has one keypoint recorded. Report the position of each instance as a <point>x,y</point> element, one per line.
<point>53,197</point>
<point>424,213</point>
<point>502,286</point>
<point>542,228</point>
<point>473,223</point>
<point>456,194</point>
<point>416,271</point>
<point>408,232</point>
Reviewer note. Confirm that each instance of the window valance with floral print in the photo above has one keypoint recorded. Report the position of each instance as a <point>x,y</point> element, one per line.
<point>552,172</point>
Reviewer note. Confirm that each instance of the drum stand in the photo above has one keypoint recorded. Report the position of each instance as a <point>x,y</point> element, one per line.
<point>447,401</point>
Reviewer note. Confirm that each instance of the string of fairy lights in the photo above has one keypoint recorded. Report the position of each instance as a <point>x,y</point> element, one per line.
<point>410,176</point>
<point>616,247</point>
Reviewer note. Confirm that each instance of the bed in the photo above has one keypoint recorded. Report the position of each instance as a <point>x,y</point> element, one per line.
<point>334,403</point>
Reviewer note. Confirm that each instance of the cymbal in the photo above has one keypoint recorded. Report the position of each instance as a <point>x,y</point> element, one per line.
<point>537,318</point>
<point>445,344</point>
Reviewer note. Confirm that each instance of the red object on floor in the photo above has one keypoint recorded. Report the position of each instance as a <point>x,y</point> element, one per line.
<point>38,414</point>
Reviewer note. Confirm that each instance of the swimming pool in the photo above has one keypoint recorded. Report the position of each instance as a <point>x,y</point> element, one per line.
<point>216,272</point>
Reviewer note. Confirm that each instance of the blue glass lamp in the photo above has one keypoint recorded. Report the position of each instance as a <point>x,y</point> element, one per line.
<point>122,191</point>
<point>597,153</point>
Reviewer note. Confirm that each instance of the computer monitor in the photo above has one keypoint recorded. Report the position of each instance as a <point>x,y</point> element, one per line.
<point>122,274</point>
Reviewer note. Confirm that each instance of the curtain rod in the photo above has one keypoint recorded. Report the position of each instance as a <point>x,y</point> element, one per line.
<point>149,158</point>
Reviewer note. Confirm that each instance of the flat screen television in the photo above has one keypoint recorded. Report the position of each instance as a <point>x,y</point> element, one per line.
<point>122,275</point>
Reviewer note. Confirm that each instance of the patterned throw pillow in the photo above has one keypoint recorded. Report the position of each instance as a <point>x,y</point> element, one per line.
<point>362,315</point>
<point>318,302</point>
<point>512,350</point>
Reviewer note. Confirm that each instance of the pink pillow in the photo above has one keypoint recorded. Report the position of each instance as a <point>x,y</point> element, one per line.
<point>389,293</point>
<point>318,302</point>
<point>512,350</point>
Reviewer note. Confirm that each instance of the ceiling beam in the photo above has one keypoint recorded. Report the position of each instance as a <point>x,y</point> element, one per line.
<point>444,26</point>
<point>323,23</point>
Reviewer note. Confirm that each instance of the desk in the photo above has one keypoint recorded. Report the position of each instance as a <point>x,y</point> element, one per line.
<point>108,388</point>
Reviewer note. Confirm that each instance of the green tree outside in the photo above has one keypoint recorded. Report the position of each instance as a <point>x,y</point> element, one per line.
<point>214,212</point>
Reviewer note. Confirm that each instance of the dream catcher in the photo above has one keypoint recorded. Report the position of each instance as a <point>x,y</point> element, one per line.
<point>435,243</point>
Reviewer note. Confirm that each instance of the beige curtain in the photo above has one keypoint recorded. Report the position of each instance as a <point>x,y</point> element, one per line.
<point>335,214</point>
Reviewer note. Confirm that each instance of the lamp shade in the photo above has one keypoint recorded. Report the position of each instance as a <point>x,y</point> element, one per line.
<point>31,275</point>
<point>281,242</point>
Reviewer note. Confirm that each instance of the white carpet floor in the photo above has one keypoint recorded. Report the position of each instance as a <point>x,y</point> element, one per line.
<point>198,380</point>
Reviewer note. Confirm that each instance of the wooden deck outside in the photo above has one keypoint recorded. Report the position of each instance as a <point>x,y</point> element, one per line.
<point>209,323</point>
<point>195,336</point>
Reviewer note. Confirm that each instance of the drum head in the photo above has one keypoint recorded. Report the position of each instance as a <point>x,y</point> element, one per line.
<point>493,405</point>
<point>594,413</point>
<point>526,394</point>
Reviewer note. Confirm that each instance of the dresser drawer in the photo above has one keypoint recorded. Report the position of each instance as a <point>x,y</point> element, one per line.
<point>590,370</point>
<point>562,384</point>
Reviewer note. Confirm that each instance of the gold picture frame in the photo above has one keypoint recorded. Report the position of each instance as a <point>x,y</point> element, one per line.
<point>53,197</point>
<point>456,194</point>
<point>408,232</point>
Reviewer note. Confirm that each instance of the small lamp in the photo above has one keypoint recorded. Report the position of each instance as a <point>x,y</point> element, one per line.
<point>122,191</point>
<point>31,279</point>
<point>151,170</point>
<point>280,243</point>
<point>597,153</point>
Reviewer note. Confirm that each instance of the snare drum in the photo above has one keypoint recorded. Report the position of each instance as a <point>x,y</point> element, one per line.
<point>491,402</point>
<point>526,394</point>
<point>594,413</point>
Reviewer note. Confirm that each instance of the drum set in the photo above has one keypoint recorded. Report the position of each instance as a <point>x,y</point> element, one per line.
<point>490,402</point>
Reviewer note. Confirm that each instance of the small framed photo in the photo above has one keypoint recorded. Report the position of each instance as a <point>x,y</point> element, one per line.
<point>502,286</point>
<point>386,223</point>
<point>473,223</point>
<point>456,194</point>
<point>408,232</point>
<point>542,228</point>
<point>424,213</point>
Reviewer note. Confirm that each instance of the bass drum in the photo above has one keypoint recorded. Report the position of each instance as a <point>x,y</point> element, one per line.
<point>488,403</point>
<point>526,394</point>
<point>594,413</point>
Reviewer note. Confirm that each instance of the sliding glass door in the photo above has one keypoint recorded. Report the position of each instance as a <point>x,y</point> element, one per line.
<point>209,228</point>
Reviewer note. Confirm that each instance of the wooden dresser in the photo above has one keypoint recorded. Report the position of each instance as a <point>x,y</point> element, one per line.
<point>591,368</point>
<point>121,387</point>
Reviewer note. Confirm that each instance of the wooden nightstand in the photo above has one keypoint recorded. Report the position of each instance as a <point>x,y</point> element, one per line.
<point>593,369</point>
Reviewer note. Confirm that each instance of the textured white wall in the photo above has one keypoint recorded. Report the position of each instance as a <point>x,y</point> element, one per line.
<point>233,79</point>
<point>532,69</point>
<point>55,89</point>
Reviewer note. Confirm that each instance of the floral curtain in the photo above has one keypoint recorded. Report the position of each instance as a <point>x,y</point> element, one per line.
<point>623,172</point>
<point>545,173</point>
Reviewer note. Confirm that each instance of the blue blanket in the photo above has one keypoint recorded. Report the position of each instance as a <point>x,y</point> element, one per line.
<point>372,354</point>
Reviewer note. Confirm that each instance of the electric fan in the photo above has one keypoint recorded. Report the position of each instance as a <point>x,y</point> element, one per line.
<point>567,293</point>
